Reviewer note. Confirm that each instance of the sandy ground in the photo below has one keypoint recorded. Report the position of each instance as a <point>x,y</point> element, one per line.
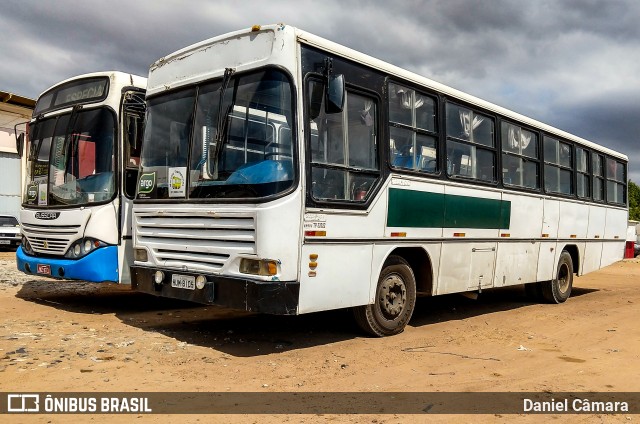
<point>58,336</point>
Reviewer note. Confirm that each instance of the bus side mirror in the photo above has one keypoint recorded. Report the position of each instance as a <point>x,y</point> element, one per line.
<point>20,144</point>
<point>335,94</point>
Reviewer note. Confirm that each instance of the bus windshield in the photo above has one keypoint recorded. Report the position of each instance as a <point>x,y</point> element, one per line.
<point>228,139</point>
<point>72,159</point>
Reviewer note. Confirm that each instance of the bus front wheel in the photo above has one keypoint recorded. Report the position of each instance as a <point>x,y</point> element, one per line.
<point>559,289</point>
<point>394,302</point>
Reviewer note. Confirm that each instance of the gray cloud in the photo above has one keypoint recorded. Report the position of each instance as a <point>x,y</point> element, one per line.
<point>570,63</point>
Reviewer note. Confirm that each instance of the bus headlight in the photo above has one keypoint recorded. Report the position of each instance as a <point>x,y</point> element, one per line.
<point>26,246</point>
<point>258,266</point>
<point>83,247</point>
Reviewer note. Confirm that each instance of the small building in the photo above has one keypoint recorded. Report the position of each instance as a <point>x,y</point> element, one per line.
<point>15,111</point>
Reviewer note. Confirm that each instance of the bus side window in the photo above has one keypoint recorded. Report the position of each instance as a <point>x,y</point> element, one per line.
<point>519,156</point>
<point>412,117</point>
<point>470,144</point>
<point>344,161</point>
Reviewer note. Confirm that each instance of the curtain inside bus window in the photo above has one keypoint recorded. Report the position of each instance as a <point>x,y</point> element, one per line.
<point>518,139</point>
<point>408,107</point>
<point>520,156</point>
<point>564,153</point>
<point>87,155</point>
<point>400,100</point>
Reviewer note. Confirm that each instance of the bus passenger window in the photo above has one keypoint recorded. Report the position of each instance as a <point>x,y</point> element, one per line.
<point>558,166</point>
<point>616,182</point>
<point>519,156</point>
<point>582,167</point>
<point>470,144</point>
<point>412,120</point>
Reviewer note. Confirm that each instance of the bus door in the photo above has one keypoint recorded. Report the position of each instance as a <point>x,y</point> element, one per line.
<point>132,122</point>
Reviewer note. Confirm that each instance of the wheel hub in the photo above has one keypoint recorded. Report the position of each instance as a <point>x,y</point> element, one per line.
<point>393,296</point>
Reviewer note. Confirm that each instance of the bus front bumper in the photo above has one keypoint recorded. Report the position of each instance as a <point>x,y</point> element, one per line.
<point>99,266</point>
<point>277,297</point>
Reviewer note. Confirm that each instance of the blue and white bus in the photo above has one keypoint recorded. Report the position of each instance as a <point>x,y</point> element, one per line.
<point>383,186</point>
<point>82,154</point>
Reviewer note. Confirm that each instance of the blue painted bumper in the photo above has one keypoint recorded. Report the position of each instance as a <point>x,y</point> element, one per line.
<point>98,266</point>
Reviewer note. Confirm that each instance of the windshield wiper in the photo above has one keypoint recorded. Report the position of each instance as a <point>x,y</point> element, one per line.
<point>58,199</point>
<point>222,119</point>
<point>70,148</point>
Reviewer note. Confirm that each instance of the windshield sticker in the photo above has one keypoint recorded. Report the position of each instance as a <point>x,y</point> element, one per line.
<point>40,169</point>
<point>147,185</point>
<point>32,193</point>
<point>42,194</point>
<point>177,182</point>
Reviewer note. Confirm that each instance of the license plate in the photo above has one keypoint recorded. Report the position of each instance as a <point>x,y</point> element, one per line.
<point>44,269</point>
<point>186,282</point>
<point>5,241</point>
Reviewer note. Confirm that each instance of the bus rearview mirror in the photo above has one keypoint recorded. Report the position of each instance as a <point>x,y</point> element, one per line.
<point>20,144</point>
<point>335,94</point>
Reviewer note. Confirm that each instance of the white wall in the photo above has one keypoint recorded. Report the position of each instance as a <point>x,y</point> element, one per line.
<point>12,168</point>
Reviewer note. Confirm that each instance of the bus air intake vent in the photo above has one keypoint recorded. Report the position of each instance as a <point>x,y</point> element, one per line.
<point>197,241</point>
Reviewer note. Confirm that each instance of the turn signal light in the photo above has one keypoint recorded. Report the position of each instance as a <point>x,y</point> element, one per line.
<point>140,255</point>
<point>258,267</point>
<point>315,233</point>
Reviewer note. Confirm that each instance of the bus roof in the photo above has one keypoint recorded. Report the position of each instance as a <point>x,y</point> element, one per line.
<point>133,80</point>
<point>356,56</point>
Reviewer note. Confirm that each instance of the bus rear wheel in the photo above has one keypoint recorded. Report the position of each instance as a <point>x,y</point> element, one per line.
<point>394,302</point>
<point>559,289</point>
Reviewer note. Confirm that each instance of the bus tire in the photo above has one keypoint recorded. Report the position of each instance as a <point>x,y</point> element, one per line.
<point>394,301</point>
<point>559,289</point>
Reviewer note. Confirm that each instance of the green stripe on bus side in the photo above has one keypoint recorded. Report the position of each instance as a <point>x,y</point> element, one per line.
<point>419,209</point>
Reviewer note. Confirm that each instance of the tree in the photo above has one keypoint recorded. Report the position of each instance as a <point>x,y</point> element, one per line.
<point>634,201</point>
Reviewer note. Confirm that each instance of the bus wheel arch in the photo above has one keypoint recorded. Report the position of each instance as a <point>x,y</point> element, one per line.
<point>573,251</point>
<point>420,262</point>
<point>394,300</point>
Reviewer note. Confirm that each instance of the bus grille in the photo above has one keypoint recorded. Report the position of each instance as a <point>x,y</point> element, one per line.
<point>51,239</point>
<point>195,241</point>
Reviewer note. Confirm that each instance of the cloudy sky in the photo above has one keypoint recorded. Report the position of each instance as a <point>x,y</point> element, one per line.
<point>574,64</point>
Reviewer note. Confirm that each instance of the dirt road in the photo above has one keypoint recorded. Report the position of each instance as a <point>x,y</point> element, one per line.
<point>67,336</point>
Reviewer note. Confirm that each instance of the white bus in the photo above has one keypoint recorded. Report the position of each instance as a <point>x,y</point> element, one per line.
<point>83,152</point>
<point>387,185</point>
